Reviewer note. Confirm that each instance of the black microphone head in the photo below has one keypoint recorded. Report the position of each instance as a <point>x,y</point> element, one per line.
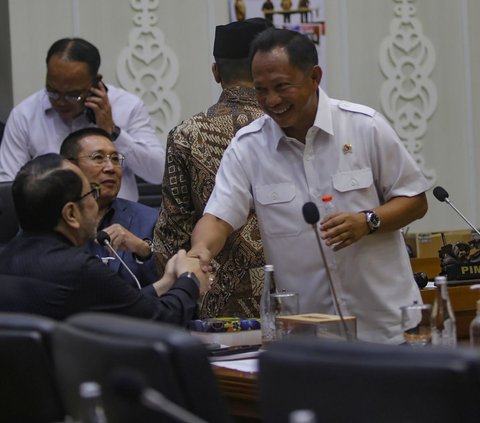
<point>440,193</point>
<point>103,238</point>
<point>310,213</point>
<point>128,383</point>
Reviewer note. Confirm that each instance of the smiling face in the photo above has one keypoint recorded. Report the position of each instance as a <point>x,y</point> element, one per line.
<point>107,175</point>
<point>286,93</point>
<point>68,79</point>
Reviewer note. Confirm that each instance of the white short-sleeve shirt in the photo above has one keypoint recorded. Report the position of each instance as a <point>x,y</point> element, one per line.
<point>353,154</point>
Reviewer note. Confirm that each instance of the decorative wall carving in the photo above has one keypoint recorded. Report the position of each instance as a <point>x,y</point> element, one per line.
<point>408,96</point>
<point>149,68</point>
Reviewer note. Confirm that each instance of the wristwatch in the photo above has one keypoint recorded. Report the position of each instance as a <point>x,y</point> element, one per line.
<point>191,276</point>
<point>115,132</point>
<point>373,221</point>
<point>141,260</point>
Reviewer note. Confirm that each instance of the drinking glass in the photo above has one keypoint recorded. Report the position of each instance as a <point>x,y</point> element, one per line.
<point>417,324</point>
<point>284,303</point>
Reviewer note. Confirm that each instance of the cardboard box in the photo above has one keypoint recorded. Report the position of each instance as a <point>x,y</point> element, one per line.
<point>316,324</point>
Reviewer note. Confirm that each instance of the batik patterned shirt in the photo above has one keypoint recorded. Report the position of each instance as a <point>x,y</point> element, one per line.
<point>194,150</point>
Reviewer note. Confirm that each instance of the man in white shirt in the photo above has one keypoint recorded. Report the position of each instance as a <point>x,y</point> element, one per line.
<point>75,97</point>
<point>308,146</point>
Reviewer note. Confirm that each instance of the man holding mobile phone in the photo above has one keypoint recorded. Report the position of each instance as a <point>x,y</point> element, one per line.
<point>75,97</point>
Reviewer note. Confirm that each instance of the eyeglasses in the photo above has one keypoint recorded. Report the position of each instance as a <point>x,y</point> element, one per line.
<point>72,99</point>
<point>116,159</point>
<point>95,192</point>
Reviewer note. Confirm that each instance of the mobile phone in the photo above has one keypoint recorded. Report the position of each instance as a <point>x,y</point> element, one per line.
<point>237,349</point>
<point>89,112</point>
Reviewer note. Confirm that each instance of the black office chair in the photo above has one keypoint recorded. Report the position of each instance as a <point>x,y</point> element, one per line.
<point>369,383</point>
<point>28,391</point>
<point>8,219</point>
<point>149,194</point>
<point>93,346</point>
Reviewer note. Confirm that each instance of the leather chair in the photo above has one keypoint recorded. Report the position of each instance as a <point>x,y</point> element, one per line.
<point>28,391</point>
<point>149,194</point>
<point>8,219</point>
<point>93,346</point>
<point>369,383</point>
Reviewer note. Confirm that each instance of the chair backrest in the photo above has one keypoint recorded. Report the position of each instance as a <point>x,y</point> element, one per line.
<point>28,391</point>
<point>91,346</point>
<point>8,219</point>
<point>354,382</point>
<point>149,194</point>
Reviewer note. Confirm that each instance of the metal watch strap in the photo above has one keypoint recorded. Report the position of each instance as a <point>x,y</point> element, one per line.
<point>372,220</point>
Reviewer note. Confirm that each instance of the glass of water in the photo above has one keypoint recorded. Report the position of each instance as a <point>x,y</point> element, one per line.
<point>417,324</point>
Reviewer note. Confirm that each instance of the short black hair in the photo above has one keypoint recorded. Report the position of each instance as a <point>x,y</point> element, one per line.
<point>40,191</point>
<point>71,144</point>
<point>301,51</point>
<point>76,50</point>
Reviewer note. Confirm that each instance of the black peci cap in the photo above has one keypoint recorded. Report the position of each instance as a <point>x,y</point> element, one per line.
<point>232,41</point>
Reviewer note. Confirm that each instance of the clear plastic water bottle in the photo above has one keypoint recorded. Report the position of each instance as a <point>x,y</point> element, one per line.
<point>266,316</point>
<point>328,205</point>
<point>444,332</point>
<point>92,407</point>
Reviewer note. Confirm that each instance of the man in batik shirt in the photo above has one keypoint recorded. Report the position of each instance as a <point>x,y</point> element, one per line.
<point>194,150</point>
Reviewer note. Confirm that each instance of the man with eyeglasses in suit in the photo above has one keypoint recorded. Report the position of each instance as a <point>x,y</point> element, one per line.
<point>75,97</point>
<point>57,211</point>
<point>129,224</point>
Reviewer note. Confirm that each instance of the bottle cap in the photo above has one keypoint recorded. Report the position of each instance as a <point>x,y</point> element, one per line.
<point>327,198</point>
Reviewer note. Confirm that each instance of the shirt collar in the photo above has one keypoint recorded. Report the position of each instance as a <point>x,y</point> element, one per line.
<point>323,118</point>
<point>45,102</point>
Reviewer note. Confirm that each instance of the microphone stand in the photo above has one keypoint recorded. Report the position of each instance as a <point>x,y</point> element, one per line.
<point>461,215</point>
<point>332,287</point>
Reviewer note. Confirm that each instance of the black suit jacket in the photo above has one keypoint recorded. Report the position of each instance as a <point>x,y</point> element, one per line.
<point>70,280</point>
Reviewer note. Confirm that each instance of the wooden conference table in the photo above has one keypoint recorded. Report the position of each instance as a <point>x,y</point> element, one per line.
<point>240,388</point>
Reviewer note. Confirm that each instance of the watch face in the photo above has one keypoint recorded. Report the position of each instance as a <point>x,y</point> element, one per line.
<point>373,220</point>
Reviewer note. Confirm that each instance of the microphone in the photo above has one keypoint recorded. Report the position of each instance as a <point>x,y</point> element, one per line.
<point>104,239</point>
<point>131,385</point>
<point>442,195</point>
<point>312,216</point>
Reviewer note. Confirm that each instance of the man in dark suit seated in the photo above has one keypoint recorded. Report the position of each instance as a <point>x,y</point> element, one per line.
<point>129,224</point>
<point>57,210</point>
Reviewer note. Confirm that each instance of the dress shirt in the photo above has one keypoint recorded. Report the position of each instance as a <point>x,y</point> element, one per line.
<point>352,153</point>
<point>72,281</point>
<point>34,128</point>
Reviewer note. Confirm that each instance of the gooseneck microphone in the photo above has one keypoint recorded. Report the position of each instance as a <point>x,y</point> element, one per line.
<point>104,239</point>
<point>312,216</point>
<point>442,195</point>
<point>131,385</point>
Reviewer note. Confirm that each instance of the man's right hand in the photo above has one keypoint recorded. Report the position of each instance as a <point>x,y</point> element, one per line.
<point>204,255</point>
<point>187,263</point>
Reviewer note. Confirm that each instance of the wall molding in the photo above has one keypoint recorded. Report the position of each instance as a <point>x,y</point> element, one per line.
<point>148,67</point>
<point>408,95</point>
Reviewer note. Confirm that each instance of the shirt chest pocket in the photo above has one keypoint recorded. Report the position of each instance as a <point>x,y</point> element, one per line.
<point>353,180</point>
<point>278,208</point>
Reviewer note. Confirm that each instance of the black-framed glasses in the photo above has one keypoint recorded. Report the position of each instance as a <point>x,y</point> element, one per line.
<point>72,99</point>
<point>116,159</point>
<point>95,192</point>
